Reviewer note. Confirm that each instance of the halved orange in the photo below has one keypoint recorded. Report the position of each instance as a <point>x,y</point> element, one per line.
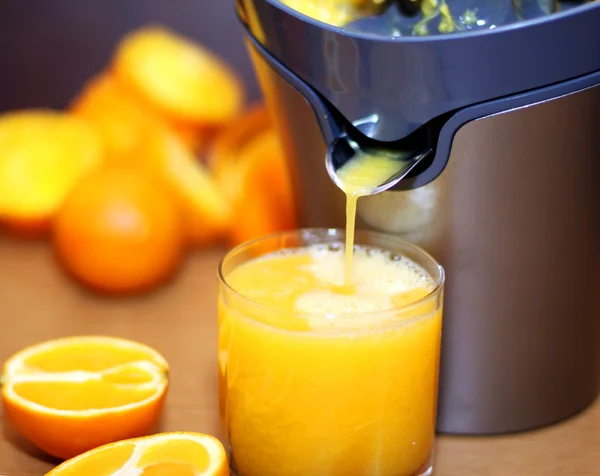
<point>181,78</point>
<point>43,153</point>
<point>224,151</point>
<point>123,119</point>
<point>73,394</point>
<point>207,211</point>
<point>164,454</point>
<point>265,203</point>
<point>250,165</point>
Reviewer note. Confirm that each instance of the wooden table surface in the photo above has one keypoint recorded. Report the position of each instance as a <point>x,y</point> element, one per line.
<point>38,302</point>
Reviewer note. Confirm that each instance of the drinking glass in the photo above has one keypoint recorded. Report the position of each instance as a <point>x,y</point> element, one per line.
<point>356,399</point>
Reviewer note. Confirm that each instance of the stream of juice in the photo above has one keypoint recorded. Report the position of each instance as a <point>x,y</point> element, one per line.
<point>359,177</point>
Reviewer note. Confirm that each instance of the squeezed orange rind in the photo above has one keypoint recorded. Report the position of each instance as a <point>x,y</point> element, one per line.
<point>265,203</point>
<point>222,156</point>
<point>207,212</point>
<point>249,164</point>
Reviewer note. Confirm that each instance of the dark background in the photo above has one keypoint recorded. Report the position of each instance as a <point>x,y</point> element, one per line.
<point>48,48</point>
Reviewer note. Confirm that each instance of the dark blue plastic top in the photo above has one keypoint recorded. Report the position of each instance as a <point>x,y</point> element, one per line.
<point>405,82</point>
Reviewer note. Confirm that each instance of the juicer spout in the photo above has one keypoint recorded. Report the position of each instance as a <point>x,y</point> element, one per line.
<point>396,165</point>
<point>344,138</point>
<point>331,122</point>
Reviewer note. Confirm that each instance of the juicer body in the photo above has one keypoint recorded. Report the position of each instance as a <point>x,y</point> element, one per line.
<point>512,212</point>
<point>403,83</point>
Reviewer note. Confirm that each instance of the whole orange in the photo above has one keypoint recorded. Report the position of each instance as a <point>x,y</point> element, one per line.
<point>120,231</point>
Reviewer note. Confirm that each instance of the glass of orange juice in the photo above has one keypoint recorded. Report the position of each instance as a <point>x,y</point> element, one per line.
<point>318,376</point>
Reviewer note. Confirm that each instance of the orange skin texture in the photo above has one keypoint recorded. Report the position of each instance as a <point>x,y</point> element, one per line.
<point>120,231</point>
<point>66,438</point>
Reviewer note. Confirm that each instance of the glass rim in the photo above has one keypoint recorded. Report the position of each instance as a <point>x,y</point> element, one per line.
<point>335,232</point>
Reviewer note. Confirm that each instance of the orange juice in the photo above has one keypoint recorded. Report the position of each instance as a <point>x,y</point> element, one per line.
<point>358,178</point>
<point>319,379</point>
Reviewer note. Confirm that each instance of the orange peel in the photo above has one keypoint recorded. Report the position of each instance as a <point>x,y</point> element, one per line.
<point>207,212</point>
<point>265,203</point>
<point>222,156</point>
<point>120,231</point>
<point>249,163</point>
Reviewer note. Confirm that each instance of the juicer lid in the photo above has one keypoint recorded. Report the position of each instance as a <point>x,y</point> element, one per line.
<point>396,84</point>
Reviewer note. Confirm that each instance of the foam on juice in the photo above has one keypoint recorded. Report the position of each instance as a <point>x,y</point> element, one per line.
<point>310,281</point>
<point>378,282</point>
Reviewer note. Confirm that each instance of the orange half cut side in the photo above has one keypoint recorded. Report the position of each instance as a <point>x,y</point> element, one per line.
<point>181,78</point>
<point>73,394</point>
<point>164,454</point>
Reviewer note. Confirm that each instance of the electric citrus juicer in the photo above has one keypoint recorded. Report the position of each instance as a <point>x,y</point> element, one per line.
<point>503,99</point>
